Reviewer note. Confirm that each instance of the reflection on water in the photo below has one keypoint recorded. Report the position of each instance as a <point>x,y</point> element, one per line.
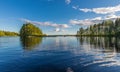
<point>106,44</point>
<point>29,43</point>
<point>60,54</point>
<point>106,50</point>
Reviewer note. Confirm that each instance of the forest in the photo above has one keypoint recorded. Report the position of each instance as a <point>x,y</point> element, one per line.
<point>8,33</point>
<point>106,28</point>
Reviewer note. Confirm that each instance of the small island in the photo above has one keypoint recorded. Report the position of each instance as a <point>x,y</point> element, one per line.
<point>30,29</point>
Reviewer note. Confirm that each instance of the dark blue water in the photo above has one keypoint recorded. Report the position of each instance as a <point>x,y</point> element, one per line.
<point>59,54</point>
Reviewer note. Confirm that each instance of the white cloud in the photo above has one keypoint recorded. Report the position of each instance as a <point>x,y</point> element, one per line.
<point>59,30</point>
<point>75,7</point>
<point>25,20</point>
<point>86,22</point>
<point>81,22</point>
<point>103,10</point>
<point>112,17</point>
<point>85,10</point>
<point>58,27</point>
<point>67,1</point>
<point>96,20</point>
<point>51,24</point>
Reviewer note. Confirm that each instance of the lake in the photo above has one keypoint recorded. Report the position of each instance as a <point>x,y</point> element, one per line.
<point>60,54</point>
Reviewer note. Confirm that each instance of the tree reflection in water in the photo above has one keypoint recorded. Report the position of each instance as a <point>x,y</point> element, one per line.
<point>30,43</point>
<point>106,43</point>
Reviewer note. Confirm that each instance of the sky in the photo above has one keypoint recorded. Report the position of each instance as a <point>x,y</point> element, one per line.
<point>56,16</point>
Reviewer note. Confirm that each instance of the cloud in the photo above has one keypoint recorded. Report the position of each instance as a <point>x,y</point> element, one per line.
<point>67,1</point>
<point>25,20</point>
<point>59,30</point>
<point>97,18</point>
<point>86,22</point>
<point>111,17</point>
<point>92,21</point>
<point>85,10</point>
<point>75,7</point>
<point>103,10</point>
<point>51,24</point>
<point>81,22</point>
<point>58,27</point>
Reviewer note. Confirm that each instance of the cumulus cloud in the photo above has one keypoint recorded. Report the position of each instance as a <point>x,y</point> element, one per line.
<point>96,20</point>
<point>108,12</point>
<point>67,1</point>
<point>86,22</point>
<point>51,24</point>
<point>102,10</point>
<point>58,27</point>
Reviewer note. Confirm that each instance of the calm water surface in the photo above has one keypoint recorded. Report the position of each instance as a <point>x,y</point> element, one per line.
<point>59,54</point>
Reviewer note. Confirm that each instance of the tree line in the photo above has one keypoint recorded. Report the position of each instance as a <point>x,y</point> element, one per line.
<point>106,28</point>
<point>28,29</point>
<point>8,33</point>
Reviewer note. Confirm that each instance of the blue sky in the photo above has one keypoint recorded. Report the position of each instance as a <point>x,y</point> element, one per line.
<point>56,16</point>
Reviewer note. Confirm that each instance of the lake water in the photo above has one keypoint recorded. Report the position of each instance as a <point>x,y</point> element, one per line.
<point>60,54</point>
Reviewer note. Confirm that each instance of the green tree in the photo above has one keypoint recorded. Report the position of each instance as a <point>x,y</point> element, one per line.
<point>2,33</point>
<point>29,29</point>
<point>117,27</point>
<point>106,28</point>
<point>81,31</point>
<point>91,30</point>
